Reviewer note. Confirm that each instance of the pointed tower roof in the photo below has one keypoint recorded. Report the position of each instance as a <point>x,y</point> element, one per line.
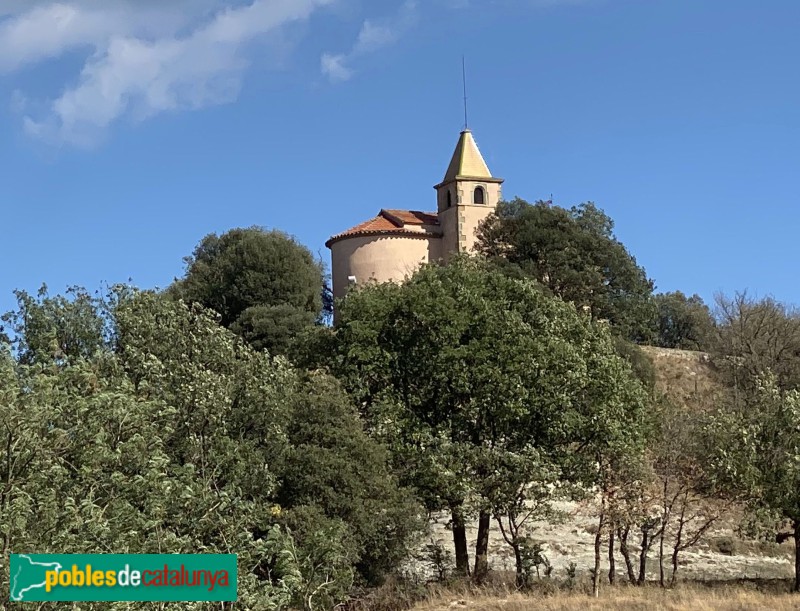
<point>467,161</point>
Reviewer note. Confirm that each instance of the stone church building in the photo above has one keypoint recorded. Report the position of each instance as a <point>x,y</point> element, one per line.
<point>392,245</point>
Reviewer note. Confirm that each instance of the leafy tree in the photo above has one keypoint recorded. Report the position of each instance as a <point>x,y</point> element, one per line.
<point>757,454</point>
<point>756,432</point>
<point>463,369</point>
<point>265,286</point>
<point>641,364</point>
<point>177,442</point>
<point>518,500</point>
<point>59,329</point>
<point>683,322</point>
<point>88,468</point>
<point>690,500</point>
<point>575,255</point>
<point>333,465</point>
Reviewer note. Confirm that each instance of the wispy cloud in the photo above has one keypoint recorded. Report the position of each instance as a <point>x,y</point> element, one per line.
<point>35,30</point>
<point>374,35</point>
<point>145,58</point>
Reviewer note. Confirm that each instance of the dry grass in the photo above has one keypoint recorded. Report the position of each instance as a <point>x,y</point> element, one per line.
<point>636,599</point>
<point>686,377</point>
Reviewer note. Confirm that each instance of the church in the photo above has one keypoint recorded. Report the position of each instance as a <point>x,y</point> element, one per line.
<point>392,245</point>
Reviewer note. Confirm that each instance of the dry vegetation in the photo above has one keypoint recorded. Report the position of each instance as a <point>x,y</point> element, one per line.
<point>686,377</point>
<point>635,599</point>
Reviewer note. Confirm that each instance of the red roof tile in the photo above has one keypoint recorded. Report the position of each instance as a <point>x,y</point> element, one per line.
<point>391,222</point>
<point>414,217</point>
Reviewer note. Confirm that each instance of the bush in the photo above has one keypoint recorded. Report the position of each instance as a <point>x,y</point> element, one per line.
<point>724,545</point>
<point>640,363</point>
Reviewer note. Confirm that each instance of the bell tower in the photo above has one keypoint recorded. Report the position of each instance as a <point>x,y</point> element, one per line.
<point>467,195</point>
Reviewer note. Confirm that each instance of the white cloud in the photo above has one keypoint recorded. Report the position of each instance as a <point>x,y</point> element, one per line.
<point>145,58</point>
<point>373,35</point>
<point>333,66</point>
<point>34,30</point>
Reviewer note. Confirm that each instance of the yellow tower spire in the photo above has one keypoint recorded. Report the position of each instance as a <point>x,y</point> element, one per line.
<point>467,160</point>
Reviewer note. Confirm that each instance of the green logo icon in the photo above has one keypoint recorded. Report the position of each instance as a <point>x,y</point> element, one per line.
<point>122,577</point>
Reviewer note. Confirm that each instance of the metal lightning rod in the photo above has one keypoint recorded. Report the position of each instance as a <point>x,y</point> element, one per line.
<point>464,77</point>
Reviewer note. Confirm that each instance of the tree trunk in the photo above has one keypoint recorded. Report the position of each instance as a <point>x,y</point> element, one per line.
<point>797,555</point>
<point>460,540</point>
<point>643,556</point>
<point>666,510</point>
<point>676,548</point>
<point>612,565</point>
<point>518,561</point>
<point>674,566</point>
<point>598,542</point>
<point>482,547</point>
<point>622,534</point>
<point>661,558</point>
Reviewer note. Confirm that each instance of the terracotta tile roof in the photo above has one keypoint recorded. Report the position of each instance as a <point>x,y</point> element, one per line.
<point>413,217</point>
<point>393,222</point>
<point>379,223</point>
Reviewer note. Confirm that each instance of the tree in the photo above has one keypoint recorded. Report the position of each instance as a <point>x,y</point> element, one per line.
<point>683,322</point>
<point>180,440</point>
<point>614,446</point>
<point>575,255</point>
<point>265,286</point>
<point>518,500</point>
<point>462,369</point>
<point>690,501</point>
<point>60,329</point>
<point>334,466</point>
<point>756,336</point>
<point>757,454</point>
<point>641,364</point>
<point>756,432</point>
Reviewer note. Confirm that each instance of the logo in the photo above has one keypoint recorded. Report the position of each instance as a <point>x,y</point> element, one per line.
<point>123,577</point>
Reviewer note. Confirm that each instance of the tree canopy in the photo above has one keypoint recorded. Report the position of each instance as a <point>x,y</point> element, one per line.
<point>179,438</point>
<point>463,370</point>
<point>756,431</point>
<point>574,254</point>
<point>265,286</point>
<point>683,322</point>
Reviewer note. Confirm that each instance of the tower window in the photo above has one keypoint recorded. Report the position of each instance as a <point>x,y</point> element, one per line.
<point>480,196</point>
<point>449,198</point>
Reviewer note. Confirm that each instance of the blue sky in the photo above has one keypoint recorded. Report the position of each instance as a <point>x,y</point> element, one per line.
<point>129,130</point>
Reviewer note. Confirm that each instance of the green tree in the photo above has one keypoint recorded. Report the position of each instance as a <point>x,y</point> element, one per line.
<point>265,286</point>
<point>462,369</point>
<point>87,468</point>
<point>180,440</point>
<point>756,432</point>
<point>518,500</point>
<point>641,364</point>
<point>691,501</point>
<point>683,322</point>
<point>757,444</point>
<point>334,466</point>
<point>60,329</point>
<point>574,254</point>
